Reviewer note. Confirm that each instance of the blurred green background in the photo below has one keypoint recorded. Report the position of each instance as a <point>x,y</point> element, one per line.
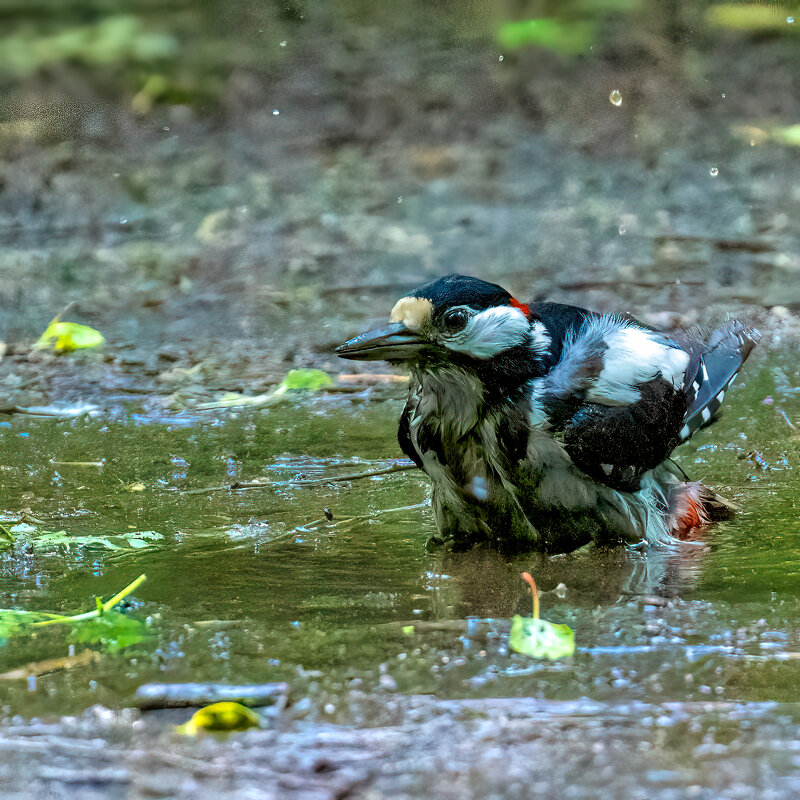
<point>208,176</point>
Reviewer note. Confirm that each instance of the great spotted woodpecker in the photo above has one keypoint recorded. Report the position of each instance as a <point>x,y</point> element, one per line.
<point>545,426</point>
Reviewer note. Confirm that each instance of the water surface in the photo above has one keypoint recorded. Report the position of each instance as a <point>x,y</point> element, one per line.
<point>258,586</point>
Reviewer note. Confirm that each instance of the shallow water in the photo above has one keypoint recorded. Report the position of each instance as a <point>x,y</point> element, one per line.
<point>258,586</point>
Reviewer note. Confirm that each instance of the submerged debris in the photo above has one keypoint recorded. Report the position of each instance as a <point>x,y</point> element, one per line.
<point>186,695</point>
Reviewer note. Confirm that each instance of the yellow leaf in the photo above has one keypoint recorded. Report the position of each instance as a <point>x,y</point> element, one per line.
<point>220,717</point>
<point>64,337</point>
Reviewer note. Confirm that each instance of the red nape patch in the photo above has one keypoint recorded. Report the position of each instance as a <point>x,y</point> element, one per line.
<point>521,306</point>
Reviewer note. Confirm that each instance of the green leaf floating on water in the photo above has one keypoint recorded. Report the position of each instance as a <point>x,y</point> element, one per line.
<point>102,625</point>
<point>48,541</point>
<point>113,631</point>
<point>537,637</point>
<point>64,337</point>
<point>540,638</point>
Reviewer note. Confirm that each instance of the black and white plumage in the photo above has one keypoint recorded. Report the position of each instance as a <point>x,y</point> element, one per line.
<point>546,426</point>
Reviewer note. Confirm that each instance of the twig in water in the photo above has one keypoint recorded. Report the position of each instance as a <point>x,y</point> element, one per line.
<point>403,467</point>
<point>360,517</point>
<point>37,668</point>
<point>242,487</point>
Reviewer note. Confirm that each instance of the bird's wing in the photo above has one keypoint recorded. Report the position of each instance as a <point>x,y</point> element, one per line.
<point>712,370</point>
<point>404,435</point>
<point>617,395</point>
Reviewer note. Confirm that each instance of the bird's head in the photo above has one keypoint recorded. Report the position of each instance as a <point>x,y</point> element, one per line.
<point>454,319</point>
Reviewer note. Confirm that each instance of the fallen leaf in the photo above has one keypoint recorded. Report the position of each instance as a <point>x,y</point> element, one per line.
<point>220,717</point>
<point>309,380</point>
<point>64,337</point>
<point>742,17</point>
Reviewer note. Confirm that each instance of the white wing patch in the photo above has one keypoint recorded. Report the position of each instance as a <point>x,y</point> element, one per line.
<point>491,332</point>
<point>635,356</point>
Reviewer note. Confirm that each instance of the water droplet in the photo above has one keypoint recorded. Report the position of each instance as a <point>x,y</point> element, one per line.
<point>501,58</point>
<point>713,172</point>
<point>790,20</point>
<point>275,112</point>
<point>283,43</point>
<point>615,97</point>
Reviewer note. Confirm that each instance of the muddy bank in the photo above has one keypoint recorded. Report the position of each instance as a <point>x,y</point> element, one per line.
<point>427,748</point>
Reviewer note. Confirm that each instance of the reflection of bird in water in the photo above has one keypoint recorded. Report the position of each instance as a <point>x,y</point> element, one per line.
<point>484,583</point>
<point>544,426</point>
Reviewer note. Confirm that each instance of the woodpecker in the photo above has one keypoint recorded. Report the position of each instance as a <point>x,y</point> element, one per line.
<point>545,426</point>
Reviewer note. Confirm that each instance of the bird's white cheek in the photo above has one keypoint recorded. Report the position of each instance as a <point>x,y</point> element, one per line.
<point>491,332</point>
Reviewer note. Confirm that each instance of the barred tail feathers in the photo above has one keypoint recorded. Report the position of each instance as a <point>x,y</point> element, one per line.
<point>718,364</point>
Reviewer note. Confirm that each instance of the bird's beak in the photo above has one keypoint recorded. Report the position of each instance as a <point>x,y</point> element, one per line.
<point>395,342</point>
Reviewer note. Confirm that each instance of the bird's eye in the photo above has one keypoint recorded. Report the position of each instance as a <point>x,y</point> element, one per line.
<point>455,320</point>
